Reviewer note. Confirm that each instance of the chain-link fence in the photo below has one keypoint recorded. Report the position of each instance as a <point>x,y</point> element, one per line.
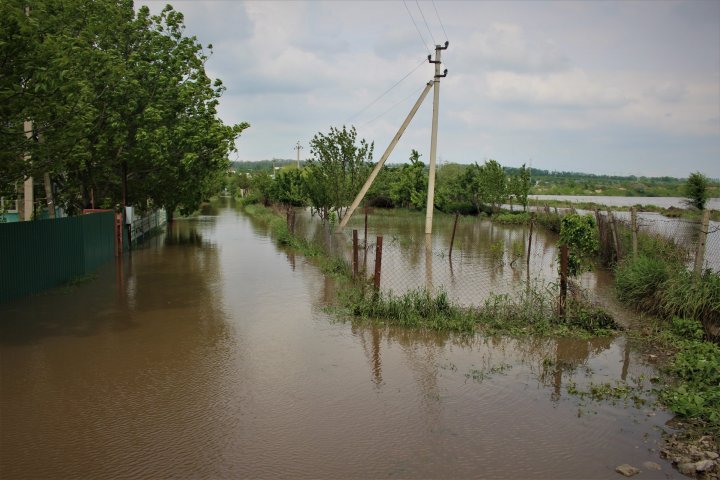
<point>693,242</point>
<point>486,258</point>
<point>489,258</point>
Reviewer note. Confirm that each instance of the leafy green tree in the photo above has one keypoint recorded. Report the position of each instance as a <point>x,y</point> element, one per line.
<point>452,194</point>
<point>486,184</point>
<point>289,188</point>
<point>338,168</point>
<point>493,184</point>
<point>121,106</point>
<point>519,186</point>
<point>410,187</point>
<point>696,190</point>
<point>579,233</point>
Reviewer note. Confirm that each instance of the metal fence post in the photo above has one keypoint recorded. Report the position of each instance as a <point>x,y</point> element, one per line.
<point>702,240</point>
<point>378,261</point>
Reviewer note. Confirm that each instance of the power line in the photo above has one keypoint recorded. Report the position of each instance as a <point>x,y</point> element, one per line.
<point>391,108</point>
<point>426,24</point>
<point>387,91</point>
<point>438,17</point>
<point>422,39</point>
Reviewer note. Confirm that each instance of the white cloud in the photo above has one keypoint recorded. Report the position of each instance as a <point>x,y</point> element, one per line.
<point>505,47</point>
<point>557,82</point>
<point>571,89</point>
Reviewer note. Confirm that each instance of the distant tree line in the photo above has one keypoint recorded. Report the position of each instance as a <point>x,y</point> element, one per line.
<point>101,102</point>
<point>340,163</point>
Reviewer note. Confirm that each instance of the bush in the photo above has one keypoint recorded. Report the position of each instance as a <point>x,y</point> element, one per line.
<point>639,282</point>
<point>511,218</point>
<point>688,295</point>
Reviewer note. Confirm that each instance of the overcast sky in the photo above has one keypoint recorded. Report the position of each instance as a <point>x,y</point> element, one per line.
<point>602,87</point>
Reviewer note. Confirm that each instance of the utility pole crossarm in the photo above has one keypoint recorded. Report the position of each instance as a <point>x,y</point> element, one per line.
<point>382,160</point>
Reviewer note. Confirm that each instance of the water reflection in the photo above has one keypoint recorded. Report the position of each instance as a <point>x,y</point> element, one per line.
<point>227,366</point>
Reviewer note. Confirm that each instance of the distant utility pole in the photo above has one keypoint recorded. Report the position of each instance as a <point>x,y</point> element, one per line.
<point>433,140</point>
<point>298,147</point>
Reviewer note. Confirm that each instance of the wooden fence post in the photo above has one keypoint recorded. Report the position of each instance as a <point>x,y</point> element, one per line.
<point>378,261</point>
<point>365,245</point>
<point>613,230</point>
<point>452,238</point>
<point>702,239</point>
<point>527,260</point>
<point>563,279</point>
<point>634,227</point>
<point>355,254</point>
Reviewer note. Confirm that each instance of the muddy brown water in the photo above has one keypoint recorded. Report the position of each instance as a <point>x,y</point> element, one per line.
<point>208,354</point>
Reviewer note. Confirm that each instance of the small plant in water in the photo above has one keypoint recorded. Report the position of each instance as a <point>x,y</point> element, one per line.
<point>497,252</point>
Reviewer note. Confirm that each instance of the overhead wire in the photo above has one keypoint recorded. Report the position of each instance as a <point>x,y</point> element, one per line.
<point>439,20</point>
<point>387,91</point>
<point>426,24</point>
<point>394,105</point>
<point>422,39</point>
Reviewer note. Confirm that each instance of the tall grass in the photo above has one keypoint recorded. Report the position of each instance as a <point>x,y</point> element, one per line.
<point>531,311</point>
<point>693,296</point>
<point>639,282</point>
<point>658,282</point>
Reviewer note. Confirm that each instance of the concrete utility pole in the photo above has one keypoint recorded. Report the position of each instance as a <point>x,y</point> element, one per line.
<point>433,140</point>
<point>381,162</point>
<point>298,147</point>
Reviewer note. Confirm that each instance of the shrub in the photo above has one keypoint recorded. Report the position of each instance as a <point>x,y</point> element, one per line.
<point>511,218</point>
<point>688,295</point>
<point>639,282</point>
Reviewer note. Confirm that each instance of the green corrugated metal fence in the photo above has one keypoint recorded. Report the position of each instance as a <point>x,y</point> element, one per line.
<point>41,254</point>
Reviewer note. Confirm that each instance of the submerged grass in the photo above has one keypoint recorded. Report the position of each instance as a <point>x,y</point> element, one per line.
<point>533,311</point>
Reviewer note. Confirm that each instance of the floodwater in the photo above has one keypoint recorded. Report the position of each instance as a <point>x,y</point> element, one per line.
<point>208,354</point>
<point>663,202</point>
<point>487,258</point>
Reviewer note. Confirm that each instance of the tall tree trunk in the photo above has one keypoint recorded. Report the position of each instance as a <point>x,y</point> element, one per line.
<point>49,199</point>
<point>21,201</point>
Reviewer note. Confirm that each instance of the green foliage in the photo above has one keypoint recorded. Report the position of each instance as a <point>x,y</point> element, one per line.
<point>688,295</point>
<point>697,392</point>
<point>579,233</point>
<point>339,167</point>
<point>117,99</point>
<point>519,185</point>
<point>639,282</point>
<point>409,189</point>
<point>512,218</point>
<point>696,190</point>
<point>497,252</point>
<point>289,188</point>
<point>450,193</point>
<point>486,184</point>
<point>658,282</point>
